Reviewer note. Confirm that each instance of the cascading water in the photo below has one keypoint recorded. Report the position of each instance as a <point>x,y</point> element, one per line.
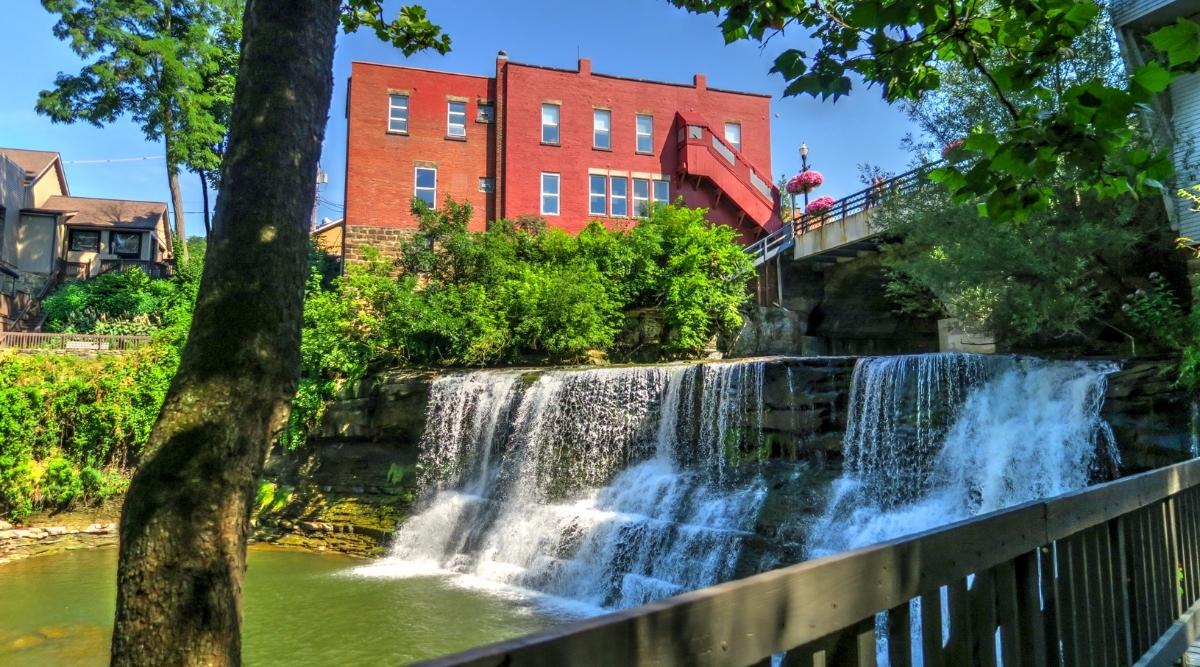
<point>605,487</point>
<point>937,438</point>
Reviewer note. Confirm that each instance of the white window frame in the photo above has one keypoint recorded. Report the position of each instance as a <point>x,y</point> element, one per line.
<point>557,124</point>
<point>666,183</point>
<point>737,145</point>
<point>639,134</point>
<point>557,194</point>
<point>393,107</point>
<point>592,194</point>
<point>453,129</point>
<point>596,131</point>
<point>613,198</point>
<point>417,187</point>
<point>643,202</point>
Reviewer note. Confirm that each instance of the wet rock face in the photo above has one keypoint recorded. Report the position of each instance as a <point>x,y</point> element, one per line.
<point>805,402</point>
<point>1150,416</point>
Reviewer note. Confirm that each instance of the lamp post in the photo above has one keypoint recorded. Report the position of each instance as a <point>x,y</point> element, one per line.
<point>803,168</point>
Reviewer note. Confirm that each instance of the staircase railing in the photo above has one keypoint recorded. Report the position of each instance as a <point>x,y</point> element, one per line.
<point>1107,575</point>
<point>766,248</point>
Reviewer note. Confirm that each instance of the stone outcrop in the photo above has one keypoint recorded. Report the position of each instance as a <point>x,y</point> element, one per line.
<point>51,534</point>
<point>1150,415</point>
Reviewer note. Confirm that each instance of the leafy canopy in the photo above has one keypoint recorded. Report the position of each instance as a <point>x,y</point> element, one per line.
<point>903,45</point>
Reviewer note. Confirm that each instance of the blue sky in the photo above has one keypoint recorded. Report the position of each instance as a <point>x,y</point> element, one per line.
<point>640,38</point>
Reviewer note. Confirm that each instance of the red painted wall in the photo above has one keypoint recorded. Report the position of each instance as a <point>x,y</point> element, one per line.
<point>380,166</point>
<point>579,93</point>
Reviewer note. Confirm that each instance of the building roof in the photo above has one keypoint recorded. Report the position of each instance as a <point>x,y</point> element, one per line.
<point>96,212</point>
<point>33,163</point>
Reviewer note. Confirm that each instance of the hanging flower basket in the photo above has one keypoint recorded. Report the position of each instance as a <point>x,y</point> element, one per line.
<point>805,181</point>
<point>952,149</point>
<point>819,205</point>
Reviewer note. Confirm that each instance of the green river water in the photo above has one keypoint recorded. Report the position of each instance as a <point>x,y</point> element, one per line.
<point>301,609</point>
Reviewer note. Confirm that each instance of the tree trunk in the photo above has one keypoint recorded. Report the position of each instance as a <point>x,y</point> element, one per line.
<point>204,191</point>
<point>186,516</point>
<point>177,206</point>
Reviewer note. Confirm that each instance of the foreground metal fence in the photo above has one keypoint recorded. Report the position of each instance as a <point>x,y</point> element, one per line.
<point>1108,575</point>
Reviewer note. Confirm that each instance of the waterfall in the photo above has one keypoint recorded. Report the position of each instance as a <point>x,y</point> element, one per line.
<point>603,488</point>
<point>936,438</point>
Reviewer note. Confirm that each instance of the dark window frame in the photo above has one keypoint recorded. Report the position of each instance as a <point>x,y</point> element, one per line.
<point>74,234</point>
<point>112,245</point>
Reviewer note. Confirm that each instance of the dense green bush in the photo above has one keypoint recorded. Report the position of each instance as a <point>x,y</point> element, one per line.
<point>72,428</point>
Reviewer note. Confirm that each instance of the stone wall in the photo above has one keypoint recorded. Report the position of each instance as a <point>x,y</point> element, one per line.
<point>1150,416</point>
<point>387,240</point>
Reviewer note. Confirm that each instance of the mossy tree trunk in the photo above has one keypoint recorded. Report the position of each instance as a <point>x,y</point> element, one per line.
<point>186,516</point>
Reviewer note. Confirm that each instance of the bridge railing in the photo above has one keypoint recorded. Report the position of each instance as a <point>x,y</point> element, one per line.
<point>1108,575</point>
<point>864,199</point>
<point>69,343</point>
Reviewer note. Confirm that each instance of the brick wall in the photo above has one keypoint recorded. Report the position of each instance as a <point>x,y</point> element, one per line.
<point>380,165</point>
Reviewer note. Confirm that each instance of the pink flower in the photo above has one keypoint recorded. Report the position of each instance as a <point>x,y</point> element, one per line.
<point>952,146</point>
<point>819,205</point>
<point>805,181</point>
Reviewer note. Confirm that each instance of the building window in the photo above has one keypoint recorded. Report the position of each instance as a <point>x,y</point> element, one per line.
<point>83,240</point>
<point>398,113</point>
<point>641,197</point>
<point>598,194</point>
<point>125,244</point>
<point>456,119</point>
<point>549,194</point>
<point>620,197</point>
<point>645,133</point>
<point>487,184</point>
<point>662,191</point>
<point>485,113</point>
<point>733,135</point>
<point>426,186</point>
<point>550,124</point>
<point>602,129</point>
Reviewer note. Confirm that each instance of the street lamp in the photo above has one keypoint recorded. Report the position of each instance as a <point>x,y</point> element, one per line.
<point>804,168</point>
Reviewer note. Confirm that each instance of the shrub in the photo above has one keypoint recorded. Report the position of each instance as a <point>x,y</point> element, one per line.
<point>60,484</point>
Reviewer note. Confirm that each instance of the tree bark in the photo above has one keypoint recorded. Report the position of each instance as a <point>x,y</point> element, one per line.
<point>186,516</point>
<point>204,191</point>
<point>177,207</point>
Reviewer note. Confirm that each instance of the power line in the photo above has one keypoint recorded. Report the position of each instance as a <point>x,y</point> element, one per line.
<point>117,159</point>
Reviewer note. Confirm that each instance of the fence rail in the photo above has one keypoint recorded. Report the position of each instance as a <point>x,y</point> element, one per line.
<point>69,343</point>
<point>864,199</point>
<point>1108,575</point>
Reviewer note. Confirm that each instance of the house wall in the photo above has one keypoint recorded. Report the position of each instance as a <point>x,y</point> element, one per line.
<point>12,199</point>
<point>44,188</point>
<point>36,243</point>
<point>90,257</point>
<point>580,92</point>
<point>380,165</point>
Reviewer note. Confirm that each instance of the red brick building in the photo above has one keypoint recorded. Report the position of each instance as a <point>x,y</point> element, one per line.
<point>569,146</point>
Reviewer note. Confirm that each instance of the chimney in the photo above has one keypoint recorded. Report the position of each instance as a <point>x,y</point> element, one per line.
<point>501,56</point>
<point>700,82</point>
<point>585,66</point>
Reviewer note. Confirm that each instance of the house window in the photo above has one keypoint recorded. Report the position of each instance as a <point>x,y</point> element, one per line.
<point>549,194</point>
<point>641,197</point>
<point>487,184</point>
<point>82,240</point>
<point>398,113</point>
<point>620,197</point>
<point>645,133</point>
<point>598,194</point>
<point>456,119</point>
<point>485,113</point>
<point>125,244</point>
<point>550,124</point>
<point>602,129</point>
<point>662,191</point>
<point>733,135</point>
<point>426,186</point>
